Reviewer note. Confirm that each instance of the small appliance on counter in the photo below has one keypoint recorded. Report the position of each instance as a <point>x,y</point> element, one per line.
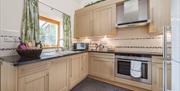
<point>80,46</point>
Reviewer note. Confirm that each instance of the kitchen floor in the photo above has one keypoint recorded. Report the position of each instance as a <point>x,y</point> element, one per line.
<point>94,85</point>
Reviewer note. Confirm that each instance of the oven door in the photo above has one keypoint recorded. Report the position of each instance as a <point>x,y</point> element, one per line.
<point>123,67</point>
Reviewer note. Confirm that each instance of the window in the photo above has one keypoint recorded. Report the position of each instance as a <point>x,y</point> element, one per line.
<point>49,32</point>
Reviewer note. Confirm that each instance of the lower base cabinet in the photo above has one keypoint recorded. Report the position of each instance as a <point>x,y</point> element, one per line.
<point>74,70</point>
<point>58,75</point>
<point>34,82</point>
<point>84,66</point>
<point>157,74</point>
<point>102,65</point>
<point>62,74</point>
<point>8,77</point>
<point>78,69</point>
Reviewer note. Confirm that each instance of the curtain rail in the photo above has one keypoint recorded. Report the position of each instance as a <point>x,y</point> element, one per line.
<point>53,8</point>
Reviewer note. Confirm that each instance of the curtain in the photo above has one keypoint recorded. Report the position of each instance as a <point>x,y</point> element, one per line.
<point>30,21</point>
<point>67,32</point>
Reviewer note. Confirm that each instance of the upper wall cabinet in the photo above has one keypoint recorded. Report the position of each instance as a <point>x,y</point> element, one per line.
<point>160,15</point>
<point>104,19</point>
<point>95,21</point>
<point>83,23</point>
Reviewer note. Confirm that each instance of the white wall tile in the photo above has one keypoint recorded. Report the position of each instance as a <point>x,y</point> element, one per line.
<point>9,41</point>
<point>134,37</point>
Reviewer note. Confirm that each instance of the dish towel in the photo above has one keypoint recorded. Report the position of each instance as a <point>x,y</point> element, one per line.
<point>136,69</point>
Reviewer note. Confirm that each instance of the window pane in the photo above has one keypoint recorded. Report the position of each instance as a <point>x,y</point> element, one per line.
<point>49,34</point>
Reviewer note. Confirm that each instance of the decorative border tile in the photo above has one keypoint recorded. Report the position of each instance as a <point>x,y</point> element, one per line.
<point>15,38</point>
<point>137,38</point>
<point>7,49</point>
<point>149,47</point>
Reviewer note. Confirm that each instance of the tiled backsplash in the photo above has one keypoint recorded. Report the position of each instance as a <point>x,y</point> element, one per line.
<point>130,39</point>
<point>8,42</point>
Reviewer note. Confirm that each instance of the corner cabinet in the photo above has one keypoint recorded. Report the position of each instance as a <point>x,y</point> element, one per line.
<point>160,15</point>
<point>58,74</point>
<point>104,19</point>
<point>78,69</point>
<point>157,74</point>
<point>83,24</point>
<point>74,70</point>
<point>84,65</point>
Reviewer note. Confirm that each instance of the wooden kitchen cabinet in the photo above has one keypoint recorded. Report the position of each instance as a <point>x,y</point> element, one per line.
<point>78,69</point>
<point>160,15</point>
<point>102,65</point>
<point>157,74</point>
<point>84,65</point>
<point>58,74</point>
<point>104,19</point>
<point>33,77</point>
<point>97,21</point>
<point>74,70</point>
<point>8,77</point>
<point>83,24</point>
<point>34,82</point>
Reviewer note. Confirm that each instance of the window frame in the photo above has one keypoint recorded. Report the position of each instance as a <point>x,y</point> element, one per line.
<point>43,18</point>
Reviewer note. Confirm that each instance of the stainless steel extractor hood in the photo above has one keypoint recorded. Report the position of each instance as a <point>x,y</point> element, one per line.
<point>133,13</point>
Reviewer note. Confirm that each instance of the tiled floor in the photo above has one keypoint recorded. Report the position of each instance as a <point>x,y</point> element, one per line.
<point>94,85</point>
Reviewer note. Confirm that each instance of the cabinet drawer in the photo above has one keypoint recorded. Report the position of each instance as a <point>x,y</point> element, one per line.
<point>103,55</point>
<point>32,68</point>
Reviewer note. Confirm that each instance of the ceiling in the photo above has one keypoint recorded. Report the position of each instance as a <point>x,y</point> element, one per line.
<point>85,2</point>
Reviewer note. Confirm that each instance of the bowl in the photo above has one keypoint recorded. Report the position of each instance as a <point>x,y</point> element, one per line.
<point>29,53</point>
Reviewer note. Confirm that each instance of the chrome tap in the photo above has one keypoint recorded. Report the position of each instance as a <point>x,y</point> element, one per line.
<point>101,46</point>
<point>62,49</point>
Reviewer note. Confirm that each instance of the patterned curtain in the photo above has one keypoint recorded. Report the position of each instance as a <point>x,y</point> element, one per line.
<point>67,32</point>
<point>30,21</point>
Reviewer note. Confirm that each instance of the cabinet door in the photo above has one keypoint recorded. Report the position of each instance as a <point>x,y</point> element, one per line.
<point>160,15</point>
<point>83,24</point>
<point>8,77</point>
<point>103,68</point>
<point>34,82</point>
<point>84,66</point>
<point>157,75</point>
<point>104,19</point>
<point>58,76</point>
<point>74,70</point>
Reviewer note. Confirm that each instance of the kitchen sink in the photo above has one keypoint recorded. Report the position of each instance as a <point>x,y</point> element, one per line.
<point>60,53</point>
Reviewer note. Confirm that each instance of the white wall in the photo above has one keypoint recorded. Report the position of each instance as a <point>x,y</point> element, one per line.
<point>10,24</point>
<point>11,16</point>
<point>11,13</point>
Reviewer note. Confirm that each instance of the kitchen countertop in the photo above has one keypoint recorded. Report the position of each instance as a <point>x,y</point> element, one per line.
<point>18,61</point>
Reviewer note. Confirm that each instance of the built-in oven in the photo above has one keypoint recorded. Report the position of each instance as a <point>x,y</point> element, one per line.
<point>123,67</point>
